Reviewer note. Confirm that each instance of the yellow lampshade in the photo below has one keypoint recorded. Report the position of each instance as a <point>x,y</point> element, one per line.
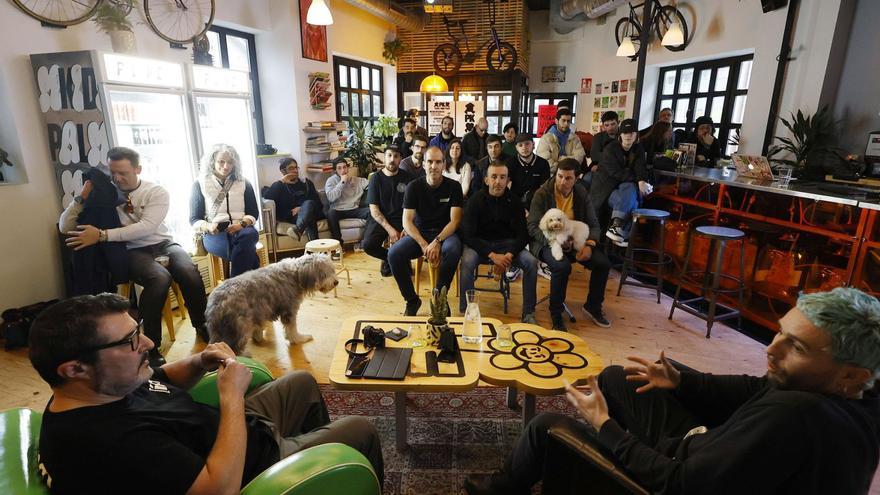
<point>434,84</point>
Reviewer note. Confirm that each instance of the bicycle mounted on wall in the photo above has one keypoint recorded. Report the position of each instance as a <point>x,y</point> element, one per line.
<point>448,57</point>
<point>662,19</point>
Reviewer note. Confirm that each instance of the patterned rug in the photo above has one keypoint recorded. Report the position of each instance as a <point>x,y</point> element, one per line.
<point>451,435</point>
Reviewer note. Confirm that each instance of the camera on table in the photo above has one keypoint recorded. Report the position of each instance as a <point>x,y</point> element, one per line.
<point>374,338</point>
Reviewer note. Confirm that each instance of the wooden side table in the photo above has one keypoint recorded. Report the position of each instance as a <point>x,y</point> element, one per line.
<point>329,247</point>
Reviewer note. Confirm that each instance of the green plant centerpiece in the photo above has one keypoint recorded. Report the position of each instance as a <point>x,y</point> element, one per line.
<point>392,50</point>
<point>812,143</point>
<point>385,129</point>
<point>111,17</point>
<point>360,150</point>
<point>437,322</point>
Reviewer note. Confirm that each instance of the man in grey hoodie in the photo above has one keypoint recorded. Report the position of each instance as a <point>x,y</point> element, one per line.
<point>344,192</point>
<point>560,141</point>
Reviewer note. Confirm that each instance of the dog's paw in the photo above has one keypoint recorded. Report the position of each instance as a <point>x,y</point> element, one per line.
<point>301,338</point>
<point>556,250</point>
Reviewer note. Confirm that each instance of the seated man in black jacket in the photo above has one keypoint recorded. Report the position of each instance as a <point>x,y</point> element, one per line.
<point>811,425</point>
<point>703,135</point>
<point>494,229</point>
<point>115,425</point>
<point>296,201</point>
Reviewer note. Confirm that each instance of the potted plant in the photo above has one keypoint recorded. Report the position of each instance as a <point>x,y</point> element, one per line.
<point>437,322</point>
<point>392,50</point>
<point>111,17</point>
<point>385,129</point>
<point>360,150</point>
<point>812,142</point>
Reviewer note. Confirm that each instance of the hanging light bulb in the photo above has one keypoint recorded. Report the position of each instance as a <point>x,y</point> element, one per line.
<point>626,48</point>
<point>674,35</point>
<point>319,14</point>
<point>434,84</point>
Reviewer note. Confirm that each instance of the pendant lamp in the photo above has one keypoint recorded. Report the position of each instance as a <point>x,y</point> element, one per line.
<point>674,35</point>
<point>319,14</point>
<point>626,48</point>
<point>434,84</point>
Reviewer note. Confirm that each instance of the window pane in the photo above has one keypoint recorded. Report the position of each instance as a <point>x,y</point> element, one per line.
<point>666,103</point>
<point>682,105</point>
<point>377,108</point>
<point>721,78</point>
<point>354,77</point>
<point>377,84</point>
<point>492,103</point>
<point>669,82</point>
<point>535,125</point>
<point>214,40</point>
<point>731,149</point>
<point>365,78</point>
<point>717,109</point>
<point>239,57</point>
<point>745,74</point>
<point>343,103</point>
<point>684,83</point>
<point>505,103</point>
<point>493,125</point>
<point>739,108</point>
<point>343,76</point>
<point>355,105</point>
<point>700,107</point>
<point>366,105</point>
<point>539,102</point>
<point>705,76</point>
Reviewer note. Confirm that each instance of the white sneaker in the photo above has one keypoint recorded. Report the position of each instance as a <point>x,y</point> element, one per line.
<point>513,273</point>
<point>544,270</point>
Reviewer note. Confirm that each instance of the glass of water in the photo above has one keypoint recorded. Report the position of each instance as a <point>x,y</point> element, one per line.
<point>504,338</point>
<point>783,176</point>
<point>417,334</point>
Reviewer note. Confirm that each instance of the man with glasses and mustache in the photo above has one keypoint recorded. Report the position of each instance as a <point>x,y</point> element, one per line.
<point>147,238</point>
<point>116,425</point>
<point>414,164</point>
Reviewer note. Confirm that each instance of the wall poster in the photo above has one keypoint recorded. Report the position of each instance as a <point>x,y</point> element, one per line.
<point>466,115</point>
<point>314,38</point>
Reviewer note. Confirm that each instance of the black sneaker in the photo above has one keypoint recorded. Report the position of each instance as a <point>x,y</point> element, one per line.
<point>412,307</point>
<point>156,358</point>
<point>202,332</point>
<point>559,323</point>
<point>598,316</point>
<point>385,269</point>
<point>615,231</point>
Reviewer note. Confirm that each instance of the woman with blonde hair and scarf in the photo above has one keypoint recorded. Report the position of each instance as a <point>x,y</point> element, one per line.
<point>223,207</point>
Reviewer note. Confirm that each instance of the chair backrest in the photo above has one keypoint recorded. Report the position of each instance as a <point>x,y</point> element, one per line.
<point>327,469</point>
<point>206,392</point>
<point>20,434</point>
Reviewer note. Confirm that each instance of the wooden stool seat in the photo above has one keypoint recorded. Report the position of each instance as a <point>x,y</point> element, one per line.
<point>330,247</point>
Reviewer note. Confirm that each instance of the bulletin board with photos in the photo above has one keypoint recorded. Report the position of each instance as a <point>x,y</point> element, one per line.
<point>611,95</point>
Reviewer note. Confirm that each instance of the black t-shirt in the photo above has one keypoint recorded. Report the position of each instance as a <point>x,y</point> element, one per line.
<point>387,193</point>
<point>432,204</point>
<point>155,440</point>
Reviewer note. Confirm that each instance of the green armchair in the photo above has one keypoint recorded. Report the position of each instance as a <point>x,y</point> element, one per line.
<point>321,470</point>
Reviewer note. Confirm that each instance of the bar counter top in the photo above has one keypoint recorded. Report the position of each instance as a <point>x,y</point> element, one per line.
<point>852,195</point>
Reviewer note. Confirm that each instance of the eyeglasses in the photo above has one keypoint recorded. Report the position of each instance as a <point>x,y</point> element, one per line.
<point>132,339</point>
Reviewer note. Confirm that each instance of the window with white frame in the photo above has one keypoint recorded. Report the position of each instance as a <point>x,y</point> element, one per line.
<point>717,88</point>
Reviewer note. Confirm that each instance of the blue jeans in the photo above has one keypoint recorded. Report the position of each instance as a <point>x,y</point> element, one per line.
<point>599,267</point>
<point>623,201</point>
<point>403,251</point>
<point>470,259</point>
<point>307,219</point>
<point>239,248</point>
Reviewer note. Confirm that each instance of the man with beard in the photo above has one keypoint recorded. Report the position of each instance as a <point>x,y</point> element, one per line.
<point>494,154</point>
<point>560,141</point>
<point>413,163</point>
<point>404,138</point>
<point>811,425</point>
<point>115,425</point>
<point>385,196</point>
<point>534,171</point>
<point>442,140</point>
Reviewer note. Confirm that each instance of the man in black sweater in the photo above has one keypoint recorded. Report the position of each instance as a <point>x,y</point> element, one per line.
<point>811,425</point>
<point>494,229</point>
<point>474,142</point>
<point>296,201</point>
<point>533,171</point>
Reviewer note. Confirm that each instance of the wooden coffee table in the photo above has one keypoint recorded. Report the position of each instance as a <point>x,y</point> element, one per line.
<point>538,363</point>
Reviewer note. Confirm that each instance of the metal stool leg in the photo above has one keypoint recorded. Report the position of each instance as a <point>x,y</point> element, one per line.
<point>628,261</point>
<point>661,258</point>
<point>684,268</point>
<point>716,280</point>
<point>742,280</point>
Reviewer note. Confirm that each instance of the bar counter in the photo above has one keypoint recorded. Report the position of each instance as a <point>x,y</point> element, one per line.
<point>805,236</point>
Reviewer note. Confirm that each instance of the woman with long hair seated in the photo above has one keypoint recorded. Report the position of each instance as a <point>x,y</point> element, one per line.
<point>223,207</point>
<point>458,167</point>
<point>657,140</point>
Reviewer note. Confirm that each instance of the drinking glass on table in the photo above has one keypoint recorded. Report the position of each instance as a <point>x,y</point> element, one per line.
<point>504,338</point>
<point>417,334</point>
<point>783,176</point>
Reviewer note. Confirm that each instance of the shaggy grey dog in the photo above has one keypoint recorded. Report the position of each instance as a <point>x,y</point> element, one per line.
<point>241,306</point>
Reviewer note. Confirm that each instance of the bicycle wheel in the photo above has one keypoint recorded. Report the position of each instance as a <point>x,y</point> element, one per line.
<point>447,59</point>
<point>663,19</point>
<point>58,12</point>
<point>501,58</point>
<point>179,21</point>
<point>625,25</point>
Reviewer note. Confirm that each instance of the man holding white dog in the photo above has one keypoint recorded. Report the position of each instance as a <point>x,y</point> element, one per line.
<point>494,229</point>
<point>563,192</point>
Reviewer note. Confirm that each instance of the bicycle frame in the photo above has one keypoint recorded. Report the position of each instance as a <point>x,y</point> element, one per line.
<point>491,40</point>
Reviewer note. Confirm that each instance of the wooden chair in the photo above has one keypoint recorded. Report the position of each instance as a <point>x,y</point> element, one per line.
<point>167,312</point>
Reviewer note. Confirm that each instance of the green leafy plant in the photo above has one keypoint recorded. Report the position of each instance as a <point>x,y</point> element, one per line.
<point>439,307</point>
<point>112,16</point>
<point>360,149</point>
<point>385,128</point>
<point>813,138</point>
<point>393,50</point>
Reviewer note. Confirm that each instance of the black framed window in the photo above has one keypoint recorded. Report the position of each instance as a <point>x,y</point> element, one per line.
<point>360,93</point>
<point>498,107</point>
<point>717,88</point>
<point>535,100</point>
<point>231,49</point>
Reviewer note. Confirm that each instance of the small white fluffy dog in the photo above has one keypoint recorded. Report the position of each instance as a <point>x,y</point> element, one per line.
<point>558,228</point>
<point>241,306</point>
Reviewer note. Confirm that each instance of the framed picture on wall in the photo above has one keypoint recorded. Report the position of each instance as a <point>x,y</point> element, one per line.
<point>314,38</point>
<point>553,73</point>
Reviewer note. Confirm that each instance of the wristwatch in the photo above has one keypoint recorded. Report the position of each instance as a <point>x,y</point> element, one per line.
<point>438,239</point>
<point>78,199</point>
<point>243,223</point>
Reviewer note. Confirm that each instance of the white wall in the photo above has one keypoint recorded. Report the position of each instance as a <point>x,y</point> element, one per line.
<point>720,29</point>
<point>30,269</point>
